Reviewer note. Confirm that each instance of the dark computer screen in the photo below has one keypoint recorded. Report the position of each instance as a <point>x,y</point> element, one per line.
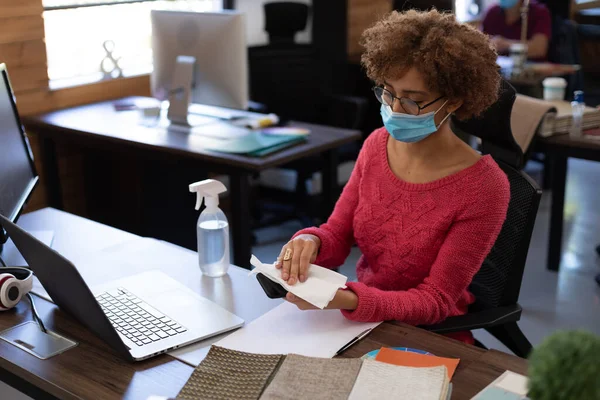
<point>17,173</point>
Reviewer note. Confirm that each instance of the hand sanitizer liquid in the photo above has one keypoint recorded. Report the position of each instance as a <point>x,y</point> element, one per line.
<point>213,247</point>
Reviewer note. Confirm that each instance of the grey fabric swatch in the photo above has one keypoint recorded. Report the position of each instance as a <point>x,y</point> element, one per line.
<point>228,374</point>
<point>313,378</point>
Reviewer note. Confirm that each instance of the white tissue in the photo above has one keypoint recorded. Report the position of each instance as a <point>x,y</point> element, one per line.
<point>320,286</point>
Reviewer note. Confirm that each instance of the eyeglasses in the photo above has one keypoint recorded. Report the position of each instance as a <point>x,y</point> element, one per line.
<point>409,106</point>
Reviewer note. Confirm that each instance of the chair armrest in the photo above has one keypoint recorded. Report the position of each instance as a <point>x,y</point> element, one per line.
<point>477,320</point>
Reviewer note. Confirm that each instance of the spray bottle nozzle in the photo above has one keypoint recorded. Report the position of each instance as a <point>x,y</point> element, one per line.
<point>209,189</point>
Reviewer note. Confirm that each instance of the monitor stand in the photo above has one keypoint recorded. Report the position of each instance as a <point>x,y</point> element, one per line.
<point>13,258</point>
<point>180,96</point>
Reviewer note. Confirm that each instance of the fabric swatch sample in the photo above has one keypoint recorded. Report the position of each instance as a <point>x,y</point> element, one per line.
<point>313,379</point>
<point>229,374</point>
<point>378,380</point>
<point>410,359</point>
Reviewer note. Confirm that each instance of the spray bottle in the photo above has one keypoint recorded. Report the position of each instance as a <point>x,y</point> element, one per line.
<point>213,229</point>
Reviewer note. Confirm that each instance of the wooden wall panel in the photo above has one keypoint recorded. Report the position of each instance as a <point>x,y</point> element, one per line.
<point>19,29</point>
<point>18,54</point>
<point>19,8</point>
<point>361,15</point>
<point>23,49</point>
<point>28,78</point>
<point>37,102</point>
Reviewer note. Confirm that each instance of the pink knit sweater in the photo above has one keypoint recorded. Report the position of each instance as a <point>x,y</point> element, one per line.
<point>421,243</point>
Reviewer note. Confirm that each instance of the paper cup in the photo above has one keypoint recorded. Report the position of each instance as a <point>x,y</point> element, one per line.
<point>554,88</point>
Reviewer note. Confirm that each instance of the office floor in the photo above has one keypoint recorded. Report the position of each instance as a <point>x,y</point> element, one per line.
<point>551,301</point>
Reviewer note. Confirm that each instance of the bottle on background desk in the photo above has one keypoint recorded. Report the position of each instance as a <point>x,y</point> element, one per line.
<point>212,229</point>
<point>578,107</point>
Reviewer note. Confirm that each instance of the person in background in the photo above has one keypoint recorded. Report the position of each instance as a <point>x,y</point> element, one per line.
<point>503,23</point>
<point>424,208</point>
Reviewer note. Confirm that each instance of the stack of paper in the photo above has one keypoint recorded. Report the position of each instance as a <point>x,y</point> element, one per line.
<point>561,121</point>
<point>286,329</point>
<point>320,286</point>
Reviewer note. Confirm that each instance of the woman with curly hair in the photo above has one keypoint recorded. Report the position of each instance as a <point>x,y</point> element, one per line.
<point>423,206</point>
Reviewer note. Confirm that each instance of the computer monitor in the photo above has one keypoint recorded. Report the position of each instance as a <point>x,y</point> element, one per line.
<point>18,176</point>
<point>217,42</point>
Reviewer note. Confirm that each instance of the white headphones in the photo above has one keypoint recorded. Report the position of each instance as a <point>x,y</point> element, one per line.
<point>14,284</point>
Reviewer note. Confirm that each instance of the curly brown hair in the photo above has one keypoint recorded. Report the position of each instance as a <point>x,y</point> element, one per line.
<point>455,59</point>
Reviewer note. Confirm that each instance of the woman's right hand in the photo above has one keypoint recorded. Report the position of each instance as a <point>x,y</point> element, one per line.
<point>296,256</point>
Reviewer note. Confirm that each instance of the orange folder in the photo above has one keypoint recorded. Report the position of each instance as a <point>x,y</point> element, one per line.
<point>409,359</point>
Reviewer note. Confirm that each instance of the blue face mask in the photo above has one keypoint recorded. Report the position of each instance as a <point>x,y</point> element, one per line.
<point>505,4</point>
<point>409,128</point>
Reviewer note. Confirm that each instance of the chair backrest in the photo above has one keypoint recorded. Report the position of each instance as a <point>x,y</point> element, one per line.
<point>345,112</point>
<point>498,282</point>
<point>283,20</point>
<point>423,5</point>
<point>493,128</point>
<point>289,81</point>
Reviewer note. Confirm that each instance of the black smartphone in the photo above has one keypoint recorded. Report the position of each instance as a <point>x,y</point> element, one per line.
<point>273,289</point>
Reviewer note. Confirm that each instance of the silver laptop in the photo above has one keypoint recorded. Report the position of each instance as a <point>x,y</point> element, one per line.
<point>140,316</point>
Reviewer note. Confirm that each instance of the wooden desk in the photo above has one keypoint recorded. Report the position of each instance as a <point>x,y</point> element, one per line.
<point>559,148</point>
<point>100,126</point>
<point>529,82</point>
<point>93,371</point>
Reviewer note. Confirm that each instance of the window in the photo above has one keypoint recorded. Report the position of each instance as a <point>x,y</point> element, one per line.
<point>77,30</point>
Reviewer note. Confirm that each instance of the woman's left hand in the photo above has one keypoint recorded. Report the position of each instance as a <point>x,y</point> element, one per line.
<point>343,300</point>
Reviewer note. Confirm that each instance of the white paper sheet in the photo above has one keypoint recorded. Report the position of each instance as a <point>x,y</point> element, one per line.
<point>286,329</point>
<point>320,286</point>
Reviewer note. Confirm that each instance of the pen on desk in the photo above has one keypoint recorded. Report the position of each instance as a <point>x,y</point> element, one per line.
<point>353,341</point>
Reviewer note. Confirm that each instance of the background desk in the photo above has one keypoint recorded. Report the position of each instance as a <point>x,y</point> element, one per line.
<point>100,128</point>
<point>93,371</point>
<point>559,148</point>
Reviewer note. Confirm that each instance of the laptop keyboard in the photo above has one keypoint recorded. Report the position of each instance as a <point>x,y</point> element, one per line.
<point>135,319</point>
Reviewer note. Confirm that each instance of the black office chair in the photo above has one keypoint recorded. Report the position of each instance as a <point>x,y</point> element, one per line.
<point>497,284</point>
<point>283,20</point>
<point>291,80</point>
<point>423,5</point>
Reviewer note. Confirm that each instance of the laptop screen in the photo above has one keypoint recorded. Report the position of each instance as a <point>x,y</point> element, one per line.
<point>17,174</point>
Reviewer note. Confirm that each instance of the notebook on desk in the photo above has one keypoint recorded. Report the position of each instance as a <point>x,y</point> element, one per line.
<point>255,144</point>
<point>508,386</point>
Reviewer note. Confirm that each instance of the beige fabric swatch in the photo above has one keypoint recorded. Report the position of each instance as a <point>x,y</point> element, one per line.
<point>229,374</point>
<point>378,380</point>
<point>313,379</point>
<point>526,116</point>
